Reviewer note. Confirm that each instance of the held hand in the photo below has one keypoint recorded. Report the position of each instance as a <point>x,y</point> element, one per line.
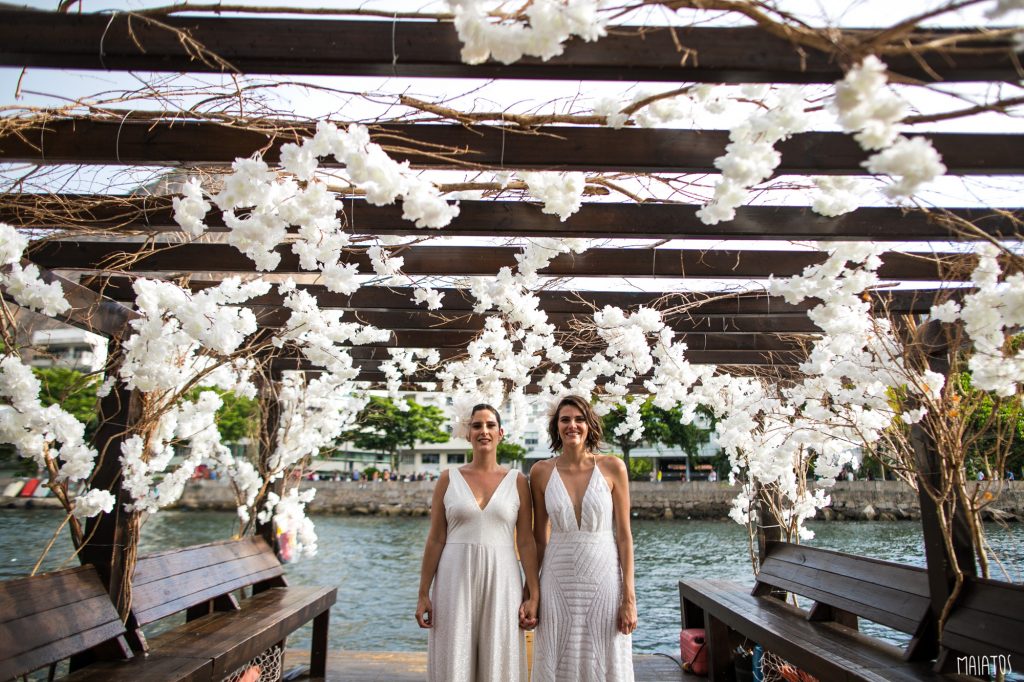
<point>627,618</point>
<point>425,612</point>
<point>528,614</point>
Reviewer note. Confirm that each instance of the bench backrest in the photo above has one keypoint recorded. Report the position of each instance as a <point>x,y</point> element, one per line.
<point>894,595</point>
<point>175,580</point>
<point>50,617</point>
<point>987,620</point>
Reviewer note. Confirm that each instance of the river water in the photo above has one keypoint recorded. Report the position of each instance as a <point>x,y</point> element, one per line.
<point>375,563</point>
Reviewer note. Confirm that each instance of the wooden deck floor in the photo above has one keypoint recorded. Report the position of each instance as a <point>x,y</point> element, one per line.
<point>402,666</point>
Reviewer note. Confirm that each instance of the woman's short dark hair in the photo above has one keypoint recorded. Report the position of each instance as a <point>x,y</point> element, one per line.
<point>594,430</point>
<point>484,406</point>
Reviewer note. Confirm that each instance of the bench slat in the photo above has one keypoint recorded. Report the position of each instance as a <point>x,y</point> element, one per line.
<point>912,579</point>
<point>19,598</point>
<point>829,651</point>
<point>53,616</point>
<point>987,620</point>
<point>169,563</point>
<point>160,598</point>
<point>24,661</point>
<point>179,595</point>
<point>151,667</point>
<point>233,637</point>
<point>877,602</point>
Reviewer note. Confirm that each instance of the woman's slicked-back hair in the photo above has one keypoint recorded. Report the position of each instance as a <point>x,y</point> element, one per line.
<point>594,430</point>
<point>484,406</point>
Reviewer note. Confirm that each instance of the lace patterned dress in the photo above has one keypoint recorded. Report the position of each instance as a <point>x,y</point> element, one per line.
<point>477,589</point>
<point>577,639</point>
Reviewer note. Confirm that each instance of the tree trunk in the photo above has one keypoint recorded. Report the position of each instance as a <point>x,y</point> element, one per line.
<point>625,459</point>
<point>688,467</point>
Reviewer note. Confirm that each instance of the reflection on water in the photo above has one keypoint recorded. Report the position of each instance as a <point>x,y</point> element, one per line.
<point>375,563</point>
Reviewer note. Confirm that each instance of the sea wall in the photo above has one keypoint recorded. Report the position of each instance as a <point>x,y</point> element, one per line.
<point>870,500</point>
<point>857,500</point>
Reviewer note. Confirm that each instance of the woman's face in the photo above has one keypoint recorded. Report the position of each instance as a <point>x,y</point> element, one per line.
<point>484,431</point>
<point>572,426</point>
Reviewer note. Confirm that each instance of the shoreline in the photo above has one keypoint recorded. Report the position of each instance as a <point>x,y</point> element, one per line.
<point>851,500</point>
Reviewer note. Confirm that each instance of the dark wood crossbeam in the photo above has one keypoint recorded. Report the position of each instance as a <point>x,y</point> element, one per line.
<point>697,357</point>
<point>425,48</point>
<point>521,219</point>
<point>458,301</point>
<point>404,320</point>
<point>177,142</point>
<point>89,310</point>
<point>468,260</point>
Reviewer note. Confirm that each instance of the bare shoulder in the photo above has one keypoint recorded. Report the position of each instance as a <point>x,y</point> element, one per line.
<point>540,472</point>
<point>611,465</point>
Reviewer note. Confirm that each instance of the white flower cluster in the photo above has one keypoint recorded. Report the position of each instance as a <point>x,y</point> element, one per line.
<point>174,325</point>
<point>269,204</point>
<point>317,333</point>
<point>838,195</point>
<point>147,474</point>
<point>992,315</point>
<point>403,363</point>
<point>751,157</point>
<point>313,415</point>
<point>289,516</point>
<point>865,106</point>
<point>24,284</point>
<point>538,253</point>
<point>36,431</point>
<point>548,24</point>
<point>562,193</point>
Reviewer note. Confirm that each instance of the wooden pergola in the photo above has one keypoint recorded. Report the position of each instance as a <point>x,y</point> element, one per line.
<point>740,333</point>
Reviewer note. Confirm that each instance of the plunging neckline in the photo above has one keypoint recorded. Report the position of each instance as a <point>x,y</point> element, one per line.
<point>493,492</point>
<point>583,499</point>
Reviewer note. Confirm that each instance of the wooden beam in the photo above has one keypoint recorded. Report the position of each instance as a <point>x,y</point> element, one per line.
<point>522,219</point>
<point>410,320</point>
<point>639,150</point>
<point>459,301</point>
<point>89,310</point>
<point>177,260</point>
<point>308,46</point>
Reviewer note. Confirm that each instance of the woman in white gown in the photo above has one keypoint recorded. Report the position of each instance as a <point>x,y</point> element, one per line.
<point>478,603</point>
<point>588,600</point>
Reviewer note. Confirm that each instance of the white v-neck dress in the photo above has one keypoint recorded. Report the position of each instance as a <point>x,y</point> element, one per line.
<point>577,639</point>
<point>478,589</point>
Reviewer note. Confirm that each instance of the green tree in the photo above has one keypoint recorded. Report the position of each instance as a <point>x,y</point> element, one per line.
<point>73,391</point>
<point>510,452</point>
<point>236,418</point>
<point>383,427</point>
<point>688,437</point>
<point>655,431</point>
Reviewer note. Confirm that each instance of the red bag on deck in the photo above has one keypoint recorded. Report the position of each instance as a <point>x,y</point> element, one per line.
<point>692,651</point>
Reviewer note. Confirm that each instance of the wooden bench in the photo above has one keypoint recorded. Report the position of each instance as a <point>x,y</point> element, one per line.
<point>824,640</point>
<point>220,628</point>
<point>47,618</point>
<point>985,629</point>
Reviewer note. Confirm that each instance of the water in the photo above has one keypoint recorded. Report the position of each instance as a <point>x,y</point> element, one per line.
<point>375,563</point>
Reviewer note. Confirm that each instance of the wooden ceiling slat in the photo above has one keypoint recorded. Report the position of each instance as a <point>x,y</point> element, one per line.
<point>446,338</point>
<point>406,320</point>
<point>471,261</point>
<point>521,219</point>
<point>697,357</point>
<point>174,142</point>
<point>458,301</point>
<point>89,310</point>
<point>417,48</point>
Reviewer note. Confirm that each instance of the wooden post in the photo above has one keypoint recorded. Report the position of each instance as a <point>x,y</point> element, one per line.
<point>925,644</point>
<point>270,419</point>
<point>107,536</point>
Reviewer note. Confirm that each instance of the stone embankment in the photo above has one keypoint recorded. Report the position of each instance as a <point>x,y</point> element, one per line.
<point>855,500</point>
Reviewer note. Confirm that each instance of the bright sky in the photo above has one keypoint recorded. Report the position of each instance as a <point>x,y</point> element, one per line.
<point>53,88</point>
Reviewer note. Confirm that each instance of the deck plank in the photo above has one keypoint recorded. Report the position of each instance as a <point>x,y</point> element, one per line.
<point>406,666</point>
